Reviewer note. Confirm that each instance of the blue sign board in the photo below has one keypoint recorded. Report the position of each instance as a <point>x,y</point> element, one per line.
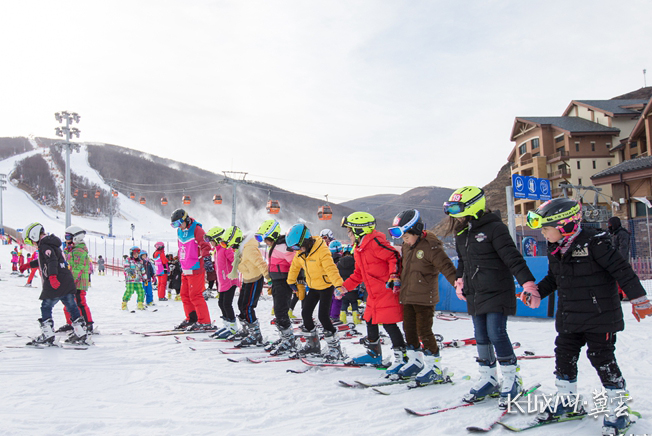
<point>531,188</point>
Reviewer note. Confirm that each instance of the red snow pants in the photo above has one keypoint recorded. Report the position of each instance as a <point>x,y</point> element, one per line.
<point>192,297</point>
<point>162,284</point>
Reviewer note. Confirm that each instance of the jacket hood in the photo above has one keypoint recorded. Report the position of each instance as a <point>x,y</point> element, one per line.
<point>51,240</point>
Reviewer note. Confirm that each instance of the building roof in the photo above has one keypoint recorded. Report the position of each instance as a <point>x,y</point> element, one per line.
<point>628,166</point>
<point>614,107</point>
<point>568,124</point>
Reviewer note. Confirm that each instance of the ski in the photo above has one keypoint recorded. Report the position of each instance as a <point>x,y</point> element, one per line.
<point>412,384</point>
<point>338,365</point>
<point>479,429</point>
<point>218,340</point>
<point>176,332</point>
<point>456,343</point>
<point>450,317</point>
<point>537,423</point>
<point>533,357</point>
<point>257,350</point>
<point>271,359</point>
<point>383,383</point>
<point>435,410</point>
<point>42,346</point>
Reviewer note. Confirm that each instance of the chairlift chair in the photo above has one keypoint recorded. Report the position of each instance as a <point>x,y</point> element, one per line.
<point>132,196</point>
<point>186,199</point>
<point>273,207</point>
<point>85,194</point>
<point>142,200</point>
<point>325,213</point>
<point>217,199</point>
<point>97,194</point>
<point>115,193</point>
<point>164,201</point>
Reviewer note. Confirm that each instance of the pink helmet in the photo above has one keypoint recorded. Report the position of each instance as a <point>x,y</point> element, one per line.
<point>159,245</point>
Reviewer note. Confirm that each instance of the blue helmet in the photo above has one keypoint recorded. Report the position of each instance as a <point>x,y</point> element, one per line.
<point>296,236</point>
<point>134,248</point>
<point>335,247</point>
<point>347,249</point>
<point>143,252</point>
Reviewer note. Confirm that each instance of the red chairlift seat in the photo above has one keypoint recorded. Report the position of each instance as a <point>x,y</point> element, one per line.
<point>132,196</point>
<point>186,199</point>
<point>142,200</point>
<point>97,194</point>
<point>115,193</point>
<point>217,199</point>
<point>273,207</point>
<point>164,201</point>
<point>85,194</point>
<point>325,213</point>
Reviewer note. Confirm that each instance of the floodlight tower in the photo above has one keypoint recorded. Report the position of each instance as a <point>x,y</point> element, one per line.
<point>67,131</point>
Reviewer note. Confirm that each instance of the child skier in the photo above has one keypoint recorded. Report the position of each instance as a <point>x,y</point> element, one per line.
<point>32,271</point>
<point>488,263</point>
<point>423,259</point>
<point>161,264</point>
<point>585,270</point>
<point>149,276</point>
<point>79,263</point>
<point>322,278</point>
<point>346,266</point>
<point>175,277</point>
<point>100,265</point>
<point>58,285</point>
<point>14,261</point>
<point>135,276</point>
<point>378,265</point>
<point>226,286</point>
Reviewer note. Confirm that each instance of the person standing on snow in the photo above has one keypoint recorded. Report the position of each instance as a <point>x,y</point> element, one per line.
<point>79,263</point>
<point>135,277</point>
<point>32,271</point>
<point>488,264</point>
<point>149,276</point>
<point>100,265</point>
<point>58,285</point>
<point>585,269</point>
<point>192,249</point>
<point>424,259</point>
<point>378,265</point>
<point>161,270</point>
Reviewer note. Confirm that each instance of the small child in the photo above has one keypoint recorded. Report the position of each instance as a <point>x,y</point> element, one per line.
<point>135,276</point>
<point>79,263</point>
<point>149,274</point>
<point>585,270</point>
<point>100,265</point>
<point>161,263</point>
<point>32,271</point>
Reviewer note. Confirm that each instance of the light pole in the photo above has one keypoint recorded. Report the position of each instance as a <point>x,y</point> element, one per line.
<point>231,178</point>
<point>133,227</point>
<point>67,131</point>
<point>2,188</point>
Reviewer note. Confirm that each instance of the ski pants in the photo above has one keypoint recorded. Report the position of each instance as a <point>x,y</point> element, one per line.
<point>32,273</point>
<point>394,332</point>
<point>248,300</point>
<point>350,299</point>
<point>162,284</point>
<point>322,297</point>
<point>282,295</point>
<point>491,334</point>
<point>225,302</point>
<point>417,325</point>
<point>134,287</point>
<point>149,293</point>
<point>336,307</point>
<point>192,297</point>
<point>600,351</point>
<point>68,300</point>
<point>80,298</point>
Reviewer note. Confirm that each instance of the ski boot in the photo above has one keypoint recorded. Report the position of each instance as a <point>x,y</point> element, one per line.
<point>487,385</point>
<point>414,364</point>
<point>400,359</point>
<point>124,305</point>
<point>169,297</point>
<point>218,332</point>
<point>617,421</point>
<point>141,306</point>
<point>512,382</point>
<point>343,317</point>
<point>28,285</point>
<point>356,317</point>
<point>566,404</point>
<point>254,339</point>
<point>163,299</point>
<point>230,332</point>
<point>313,345</point>
<point>177,298</point>
<point>79,333</point>
<point>373,356</point>
<point>192,318</point>
<point>291,315</point>
<point>431,372</point>
<point>150,304</point>
<point>89,328</point>
<point>287,342</point>
<point>64,328</point>
<point>334,352</point>
<point>199,327</point>
<point>47,333</point>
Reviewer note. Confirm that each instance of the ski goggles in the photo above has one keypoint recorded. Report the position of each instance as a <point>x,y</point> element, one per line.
<point>176,224</point>
<point>398,231</point>
<point>68,237</point>
<point>534,220</point>
<point>260,237</point>
<point>457,207</point>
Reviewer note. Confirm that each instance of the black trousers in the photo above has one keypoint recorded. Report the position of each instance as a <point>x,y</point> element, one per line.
<point>600,351</point>
<point>282,295</point>
<point>248,300</point>
<point>225,303</point>
<point>323,297</point>
<point>350,298</point>
<point>394,332</point>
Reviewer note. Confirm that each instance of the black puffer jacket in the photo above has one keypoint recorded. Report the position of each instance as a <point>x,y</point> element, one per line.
<point>488,262</point>
<point>52,263</point>
<point>585,279</point>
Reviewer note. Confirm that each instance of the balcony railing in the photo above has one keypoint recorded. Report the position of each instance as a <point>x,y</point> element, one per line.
<point>559,192</point>
<point>559,174</point>
<point>560,155</point>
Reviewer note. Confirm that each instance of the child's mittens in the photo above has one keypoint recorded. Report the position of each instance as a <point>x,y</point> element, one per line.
<point>641,307</point>
<point>530,295</point>
<point>459,289</point>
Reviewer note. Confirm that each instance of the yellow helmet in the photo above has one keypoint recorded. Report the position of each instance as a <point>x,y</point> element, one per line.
<point>231,237</point>
<point>360,223</point>
<point>465,201</point>
<point>215,233</point>
<point>268,229</point>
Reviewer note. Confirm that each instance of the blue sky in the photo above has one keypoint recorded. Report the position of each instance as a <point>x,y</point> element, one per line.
<point>346,98</point>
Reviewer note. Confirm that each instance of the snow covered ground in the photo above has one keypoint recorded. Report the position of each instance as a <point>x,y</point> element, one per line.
<point>128,384</point>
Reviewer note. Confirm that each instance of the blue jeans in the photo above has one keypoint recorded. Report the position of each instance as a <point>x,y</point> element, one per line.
<point>491,329</point>
<point>68,300</point>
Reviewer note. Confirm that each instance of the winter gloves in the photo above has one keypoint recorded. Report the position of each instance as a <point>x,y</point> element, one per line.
<point>394,283</point>
<point>459,287</point>
<point>339,292</point>
<point>23,267</point>
<point>641,307</point>
<point>54,282</point>
<point>530,295</point>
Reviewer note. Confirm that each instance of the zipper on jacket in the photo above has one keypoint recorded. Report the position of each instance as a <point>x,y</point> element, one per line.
<point>477,268</point>
<point>595,301</point>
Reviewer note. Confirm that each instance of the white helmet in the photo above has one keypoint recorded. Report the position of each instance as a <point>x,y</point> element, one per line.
<point>75,234</point>
<point>328,233</point>
<point>32,233</point>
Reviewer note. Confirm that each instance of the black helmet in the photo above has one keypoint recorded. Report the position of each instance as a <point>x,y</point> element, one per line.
<point>561,213</point>
<point>408,221</point>
<point>178,216</point>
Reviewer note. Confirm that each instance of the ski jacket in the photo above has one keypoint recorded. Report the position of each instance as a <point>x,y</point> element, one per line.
<point>14,257</point>
<point>149,270</point>
<point>346,266</point>
<point>79,263</point>
<point>321,272</point>
<point>252,265</point>
<point>52,263</point>
<point>375,261</point>
<point>621,239</point>
<point>175,275</point>
<point>488,262</point>
<point>422,264</point>
<point>279,259</point>
<point>134,270</point>
<point>160,262</point>
<point>223,266</point>
<point>100,264</point>
<point>211,275</point>
<point>586,279</point>
<point>192,249</point>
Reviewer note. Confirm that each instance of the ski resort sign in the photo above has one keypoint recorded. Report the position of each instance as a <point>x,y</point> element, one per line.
<point>531,188</point>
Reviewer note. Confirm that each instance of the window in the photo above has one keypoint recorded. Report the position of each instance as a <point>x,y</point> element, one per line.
<point>578,164</point>
<point>535,143</point>
<point>608,163</point>
<point>536,154</point>
<point>592,146</point>
<point>632,145</point>
<point>640,208</point>
<point>522,149</point>
<point>593,164</point>
<point>577,146</point>
<point>634,155</point>
<point>560,148</point>
<point>608,144</point>
<point>579,182</point>
<point>559,138</point>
